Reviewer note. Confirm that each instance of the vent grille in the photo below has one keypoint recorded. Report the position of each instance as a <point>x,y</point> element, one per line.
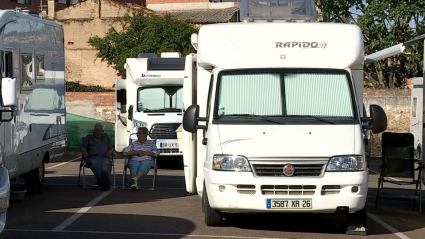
<point>296,190</point>
<point>164,131</point>
<point>246,189</point>
<point>330,190</point>
<point>169,151</point>
<point>276,170</point>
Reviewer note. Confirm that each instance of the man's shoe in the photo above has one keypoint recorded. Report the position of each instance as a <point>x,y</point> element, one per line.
<point>106,185</point>
<point>133,183</point>
<point>99,182</point>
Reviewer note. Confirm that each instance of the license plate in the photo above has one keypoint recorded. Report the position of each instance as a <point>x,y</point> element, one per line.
<point>168,145</point>
<point>289,203</point>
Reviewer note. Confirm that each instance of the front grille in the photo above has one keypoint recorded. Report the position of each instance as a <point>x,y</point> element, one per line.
<point>169,151</point>
<point>164,131</point>
<point>297,190</point>
<point>276,170</point>
<point>246,189</point>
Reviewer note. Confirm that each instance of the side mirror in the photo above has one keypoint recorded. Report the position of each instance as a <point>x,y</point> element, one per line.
<point>8,92</point>
<point>121,96</point>
<point>130,112</point>
<point>378,118</point>
<point>190,118</point>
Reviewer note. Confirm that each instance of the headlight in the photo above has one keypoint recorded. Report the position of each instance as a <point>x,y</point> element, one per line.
<point>346,163</point>
<point>139,123</point>
<point>4,200</point>
<point>231,163</point>
<point>4,189</point>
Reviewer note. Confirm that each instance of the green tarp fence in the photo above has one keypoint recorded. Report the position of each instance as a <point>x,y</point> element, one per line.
<point>79,126</point>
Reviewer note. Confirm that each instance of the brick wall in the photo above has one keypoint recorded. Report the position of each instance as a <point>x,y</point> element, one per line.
<point>396,104</point>
<point>96,105</point>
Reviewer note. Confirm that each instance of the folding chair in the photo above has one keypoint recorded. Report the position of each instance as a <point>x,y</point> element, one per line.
<point>84,165</point>
<point>127,159</point>
<point>398,162</point>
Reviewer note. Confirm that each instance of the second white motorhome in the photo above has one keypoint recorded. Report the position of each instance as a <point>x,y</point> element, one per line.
<point>273,119</point>
<point>151,96</point>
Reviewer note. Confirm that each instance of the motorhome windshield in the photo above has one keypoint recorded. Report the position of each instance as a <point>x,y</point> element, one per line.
<point>160,99</point>
<point>285,96</point>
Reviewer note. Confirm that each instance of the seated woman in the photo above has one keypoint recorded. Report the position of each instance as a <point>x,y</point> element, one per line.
<point>142,152</point>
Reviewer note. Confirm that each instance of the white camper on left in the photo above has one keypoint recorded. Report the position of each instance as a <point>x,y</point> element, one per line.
<point>32,96</point>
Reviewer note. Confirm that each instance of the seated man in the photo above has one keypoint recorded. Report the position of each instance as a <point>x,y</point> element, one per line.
<point>142,152</point>
<point>97,149</point>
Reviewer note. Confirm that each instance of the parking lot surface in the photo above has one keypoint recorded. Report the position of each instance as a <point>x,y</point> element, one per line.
<point>65,210</point>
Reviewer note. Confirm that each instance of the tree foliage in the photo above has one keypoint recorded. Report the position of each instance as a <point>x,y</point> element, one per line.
<point>385,23</point>
<point>141,33</point>
<point>72,86</point>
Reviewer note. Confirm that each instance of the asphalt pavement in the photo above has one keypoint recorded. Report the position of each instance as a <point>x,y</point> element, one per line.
<point>65,210</point>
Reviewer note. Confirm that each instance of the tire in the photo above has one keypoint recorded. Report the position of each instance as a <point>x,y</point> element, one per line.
<point>34,180</point>
<point>212,216</point>
<point>357,223</point>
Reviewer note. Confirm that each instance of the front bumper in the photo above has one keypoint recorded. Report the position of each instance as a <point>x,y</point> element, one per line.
<point>246,193</point>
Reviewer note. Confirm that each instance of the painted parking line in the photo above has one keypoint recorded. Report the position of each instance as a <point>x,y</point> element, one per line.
<point>388,227</point>
<point>145,234</point>
<point>386,177</point>
<point>57,165</point>
<point>81,212</point>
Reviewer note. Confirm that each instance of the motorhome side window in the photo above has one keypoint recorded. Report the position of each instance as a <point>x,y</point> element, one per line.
<point>39,69</point>
<point>291,96</point>
<point>210,95</point>
<point>8,66</point>
<point>2,65</point>
<point>27,71</point>
<point>414,106</point>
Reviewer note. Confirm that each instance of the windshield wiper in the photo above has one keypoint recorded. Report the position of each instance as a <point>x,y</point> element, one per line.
<point>313,117</point>
<point>162,110</point>
<point>148,110</point>
<point>252,115</point>
<point>172,109</point>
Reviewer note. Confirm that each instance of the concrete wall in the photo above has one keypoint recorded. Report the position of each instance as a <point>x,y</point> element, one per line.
<point>396,104</point>
<point>82,21</point>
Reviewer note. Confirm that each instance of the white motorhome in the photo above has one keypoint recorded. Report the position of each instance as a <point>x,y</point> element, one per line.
<point>415,113</point>
<point>152,97</point>
<point>281,111</point>
<point>33,96</point>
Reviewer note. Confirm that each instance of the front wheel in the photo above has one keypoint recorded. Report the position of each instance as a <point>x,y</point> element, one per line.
<point>212,216</point>
<point>357,223</point>
<point>34,180</point>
